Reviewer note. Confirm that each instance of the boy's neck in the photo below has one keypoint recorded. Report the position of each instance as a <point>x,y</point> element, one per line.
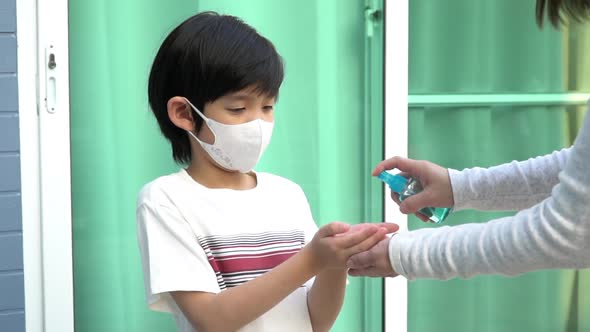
<point>214,177</point>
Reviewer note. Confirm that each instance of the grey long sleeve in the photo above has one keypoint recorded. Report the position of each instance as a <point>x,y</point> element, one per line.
<point>514,186</point>
<point>553,233</point>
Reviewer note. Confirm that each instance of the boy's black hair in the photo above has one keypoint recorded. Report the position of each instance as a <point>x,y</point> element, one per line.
<point>207,56</point>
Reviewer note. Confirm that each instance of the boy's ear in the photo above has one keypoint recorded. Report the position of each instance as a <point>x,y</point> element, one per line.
<point>180,113</point>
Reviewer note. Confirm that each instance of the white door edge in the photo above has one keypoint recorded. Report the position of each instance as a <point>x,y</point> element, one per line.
<point>26,20</point>
<point>396,142</point>
<point>55,172</point>
<point>42,29</point>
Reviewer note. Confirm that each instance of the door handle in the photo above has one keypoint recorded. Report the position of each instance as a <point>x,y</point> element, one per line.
<point>51,79</point>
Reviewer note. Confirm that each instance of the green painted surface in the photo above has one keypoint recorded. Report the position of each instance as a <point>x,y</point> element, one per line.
<point>491,47</point>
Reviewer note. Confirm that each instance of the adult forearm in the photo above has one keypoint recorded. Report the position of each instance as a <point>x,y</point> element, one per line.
<point>512,186</point>
<point>325,298</point>
<point>552,234</point>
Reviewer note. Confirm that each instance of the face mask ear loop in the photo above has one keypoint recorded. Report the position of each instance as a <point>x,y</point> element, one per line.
<point>261,137</point>
<point>205,119</point>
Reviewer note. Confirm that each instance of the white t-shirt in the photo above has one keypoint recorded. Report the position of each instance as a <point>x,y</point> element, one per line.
<point>194,238</point>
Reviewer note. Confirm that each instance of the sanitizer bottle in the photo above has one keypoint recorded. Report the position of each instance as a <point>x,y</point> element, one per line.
<point>407,187</point>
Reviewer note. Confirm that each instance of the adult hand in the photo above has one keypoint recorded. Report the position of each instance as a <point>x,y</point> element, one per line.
<point>373,262</point>
<point>435,181</point>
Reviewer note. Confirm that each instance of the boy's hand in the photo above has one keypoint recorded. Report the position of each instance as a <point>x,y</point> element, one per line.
<point>389,227</point>
<point>336,242</point>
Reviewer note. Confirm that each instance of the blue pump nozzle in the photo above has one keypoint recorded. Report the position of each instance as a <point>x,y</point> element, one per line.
<point>396,182</point>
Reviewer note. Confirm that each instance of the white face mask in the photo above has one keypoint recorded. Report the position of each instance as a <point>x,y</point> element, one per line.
<point>236,147</point>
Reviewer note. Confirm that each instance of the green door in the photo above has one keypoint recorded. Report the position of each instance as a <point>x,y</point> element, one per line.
<point>327,136</point>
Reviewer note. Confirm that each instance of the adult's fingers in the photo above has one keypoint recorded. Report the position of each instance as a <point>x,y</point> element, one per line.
<point>421,217</point>
<point>361,261</point>
<point>416,202</point>
<point>395,197</point>
<point>410,166</point>
<point>371,271</point>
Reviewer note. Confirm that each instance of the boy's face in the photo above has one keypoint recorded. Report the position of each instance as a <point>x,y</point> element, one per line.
<point>235,108</point>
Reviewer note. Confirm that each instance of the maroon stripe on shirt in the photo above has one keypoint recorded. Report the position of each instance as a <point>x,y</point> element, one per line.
<point>233,255</point>
<point>249,264</point>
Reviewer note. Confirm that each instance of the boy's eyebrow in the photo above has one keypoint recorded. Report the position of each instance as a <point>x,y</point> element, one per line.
<point>238,96</point>
<point>241,97</point>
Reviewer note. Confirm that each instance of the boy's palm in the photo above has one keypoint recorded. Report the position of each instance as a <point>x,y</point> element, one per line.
<point>334,243</point>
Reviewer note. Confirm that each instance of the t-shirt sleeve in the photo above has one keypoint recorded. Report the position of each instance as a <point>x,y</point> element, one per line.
<point>309,228</point>
<point>307,222</point>
<point>171,256</point>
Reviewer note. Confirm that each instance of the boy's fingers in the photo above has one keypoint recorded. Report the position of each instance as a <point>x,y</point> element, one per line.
<point>353,238</point>
<point>333,228</point>
<point>389,227</point>
<point>368,243</point>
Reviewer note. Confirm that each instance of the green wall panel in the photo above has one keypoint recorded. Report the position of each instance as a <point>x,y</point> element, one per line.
<point>477,46</point>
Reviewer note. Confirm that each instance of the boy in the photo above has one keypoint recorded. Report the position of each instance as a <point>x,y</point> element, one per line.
<point>225,248</point>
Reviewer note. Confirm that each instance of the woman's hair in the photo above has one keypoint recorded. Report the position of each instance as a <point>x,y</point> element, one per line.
<point>204,58</point>
<point>555,10</point>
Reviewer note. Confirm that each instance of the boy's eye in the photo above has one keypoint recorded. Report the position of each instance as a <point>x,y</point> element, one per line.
<point>269,107</point>
<point>237,109</point>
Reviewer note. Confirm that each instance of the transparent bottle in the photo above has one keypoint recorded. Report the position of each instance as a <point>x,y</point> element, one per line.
<point>406,187</point>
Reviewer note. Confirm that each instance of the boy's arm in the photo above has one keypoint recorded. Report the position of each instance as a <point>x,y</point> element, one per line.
<point>325,298</point>
<point>238,306</point>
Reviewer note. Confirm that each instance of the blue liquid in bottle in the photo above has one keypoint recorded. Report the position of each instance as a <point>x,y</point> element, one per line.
<point>407,187</point>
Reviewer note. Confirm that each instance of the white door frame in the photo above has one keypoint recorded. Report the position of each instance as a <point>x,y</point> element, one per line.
<point>45,159</point>
<point>44,116</point>
<point>26,17</point>
<point>396,142</point>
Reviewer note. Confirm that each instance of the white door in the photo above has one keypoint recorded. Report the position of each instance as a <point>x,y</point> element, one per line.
<point>396,141</point>
<point>42,35</point>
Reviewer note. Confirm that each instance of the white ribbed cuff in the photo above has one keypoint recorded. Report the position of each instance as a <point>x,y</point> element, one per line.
<point>395,259</point>
<point>458,184</point>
